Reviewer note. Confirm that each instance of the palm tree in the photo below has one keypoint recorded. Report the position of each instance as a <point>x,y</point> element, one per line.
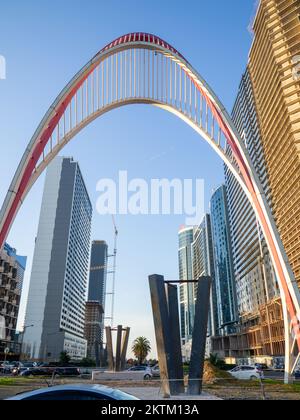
<point>141,348</point>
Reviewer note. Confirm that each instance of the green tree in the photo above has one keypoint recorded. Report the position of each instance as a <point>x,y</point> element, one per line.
<point>141,348</point>
<point>64,358</point>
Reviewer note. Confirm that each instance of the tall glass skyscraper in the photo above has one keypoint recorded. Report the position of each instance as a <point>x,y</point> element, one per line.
<point>58,284</point>
<point>223,267</point>
<point>95,307</point>
<point>255,280</point>
<point>186,291</point>
<point>195,261</point>
<point>98,272</point>
<point>203,265</point>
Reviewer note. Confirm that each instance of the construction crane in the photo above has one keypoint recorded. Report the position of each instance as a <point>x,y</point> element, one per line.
<point>113,272</point>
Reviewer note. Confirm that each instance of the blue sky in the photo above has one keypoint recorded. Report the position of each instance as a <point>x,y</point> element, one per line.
<point>45,43</point>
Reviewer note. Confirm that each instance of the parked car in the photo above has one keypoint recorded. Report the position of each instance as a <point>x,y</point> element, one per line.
<point>145,369</point>
<point>155,371</point>
<point>247,373</point>
<point>67,371</point>
<point>279,366</point>
<point>297,375</point>
<point>5,368</point>
<point>48,370</point>
<point>262,366</point>
<point>74,393</point>
<point>43,370</point>
<point>23,367</point>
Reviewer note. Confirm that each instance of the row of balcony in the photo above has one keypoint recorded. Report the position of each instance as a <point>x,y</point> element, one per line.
<point>6,268</point>
<point>11,326</point>
<point>10,287</point>
<point>7,299</point>
<point>7,313</point>
<point>9,338</point>
<point>6,308</point>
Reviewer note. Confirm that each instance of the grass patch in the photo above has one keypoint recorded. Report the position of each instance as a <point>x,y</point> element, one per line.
<point>9,381</point>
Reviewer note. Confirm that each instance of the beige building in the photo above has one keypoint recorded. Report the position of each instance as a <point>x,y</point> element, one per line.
<point>11,276</point>
<point>270,94</point>
<point>274,64</point>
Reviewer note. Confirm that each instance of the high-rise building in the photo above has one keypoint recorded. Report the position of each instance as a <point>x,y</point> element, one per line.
<point>203,265</point>
<point>186,290</point>
<point>93,330</point>
<point>267,115</point>
<point>21,262</point>
<point>12,269</point>
<point>95,307</point>
<point>260,331</point>
<point>98,272</point>
<point>226,302</point>
<point>253,272</point>
<point>58,284</point>
<point>274,66</point>
<point>195,261</point>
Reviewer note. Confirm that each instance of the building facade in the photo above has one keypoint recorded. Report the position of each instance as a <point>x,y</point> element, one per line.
<point>93,330</point>
<point>203,265</point>
<point>226,300</point>
<point>12,269</point>
<point>260,329</point>
<point>21,262</point>
<point>274,66</point>
<point>58,284</point>
<point>195,261</point>
<point>95,307</point>
<point>186,290</point>
<point>98,272</point>
<point>255,280</point>
<point>267,115</point>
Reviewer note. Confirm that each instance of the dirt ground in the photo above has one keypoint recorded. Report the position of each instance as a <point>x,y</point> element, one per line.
<point>224,391</point>
<point>216,383</point>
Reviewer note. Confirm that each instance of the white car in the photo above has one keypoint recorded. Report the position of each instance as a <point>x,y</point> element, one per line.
<point>248,373</point>
<point>155,371</point>
<point>144,370</point>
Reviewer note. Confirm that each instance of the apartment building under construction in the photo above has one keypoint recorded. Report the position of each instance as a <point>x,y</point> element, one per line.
<point>267,115</point>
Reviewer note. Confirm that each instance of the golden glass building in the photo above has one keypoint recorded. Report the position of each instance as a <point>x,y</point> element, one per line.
<point>274,65</point>
<point>267,114</point>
